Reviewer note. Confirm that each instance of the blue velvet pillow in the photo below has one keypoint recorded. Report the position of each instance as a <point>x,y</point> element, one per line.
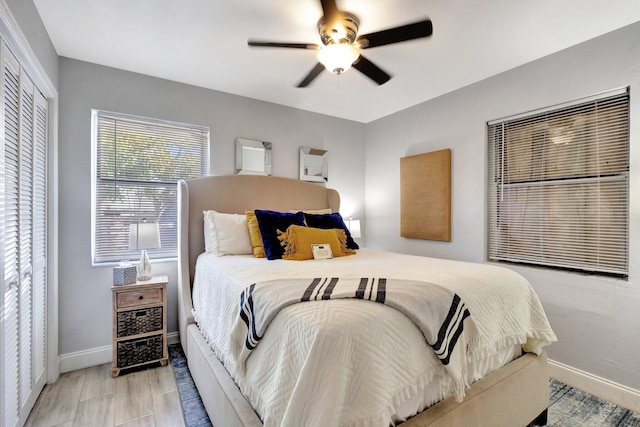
<point>269,223</point>
<point>332,220</point>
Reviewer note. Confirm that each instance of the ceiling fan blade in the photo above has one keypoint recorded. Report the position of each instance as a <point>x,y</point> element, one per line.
<point>286,45</point>
<point>397,34</point>
<point>315,71</point>
<point>371,70</point>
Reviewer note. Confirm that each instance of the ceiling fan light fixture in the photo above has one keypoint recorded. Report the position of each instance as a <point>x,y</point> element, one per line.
<point>339,57</point>
<point>341,44</point>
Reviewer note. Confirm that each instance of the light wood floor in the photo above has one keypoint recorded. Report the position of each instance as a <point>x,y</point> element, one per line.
<point>91,397</point>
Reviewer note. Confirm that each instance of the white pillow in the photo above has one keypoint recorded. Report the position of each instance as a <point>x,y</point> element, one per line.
<point>210,236</point>
<point>232,234</point>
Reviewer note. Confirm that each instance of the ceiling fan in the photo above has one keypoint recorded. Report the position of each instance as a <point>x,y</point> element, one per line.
<point>341,44</point>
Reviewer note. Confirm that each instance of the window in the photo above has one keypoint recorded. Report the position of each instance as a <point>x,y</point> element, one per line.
<point>559,184</point>
<point>136,165</point>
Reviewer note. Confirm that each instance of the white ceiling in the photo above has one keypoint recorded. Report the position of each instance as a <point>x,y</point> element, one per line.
<point>204,43</point>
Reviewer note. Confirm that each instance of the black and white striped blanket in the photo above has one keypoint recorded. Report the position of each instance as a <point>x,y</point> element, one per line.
<point>440,314</point>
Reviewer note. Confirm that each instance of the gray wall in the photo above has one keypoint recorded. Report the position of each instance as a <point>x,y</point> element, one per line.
<point>595,318</point>
<point>85,291</point>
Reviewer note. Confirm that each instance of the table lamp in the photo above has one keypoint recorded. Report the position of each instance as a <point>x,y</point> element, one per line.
<point>354,228</point>
<point>142,236</point>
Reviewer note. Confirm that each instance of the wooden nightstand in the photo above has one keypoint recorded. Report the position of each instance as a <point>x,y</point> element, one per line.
<point>139,324</point>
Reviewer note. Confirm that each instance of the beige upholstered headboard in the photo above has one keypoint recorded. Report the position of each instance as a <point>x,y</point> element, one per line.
<point>233,194</point>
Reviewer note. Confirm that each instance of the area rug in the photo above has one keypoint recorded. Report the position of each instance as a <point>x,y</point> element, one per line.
<point>568,407</point>
<point>192,408</point>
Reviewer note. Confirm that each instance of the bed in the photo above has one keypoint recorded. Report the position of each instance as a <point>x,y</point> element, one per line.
<point>512,393</point>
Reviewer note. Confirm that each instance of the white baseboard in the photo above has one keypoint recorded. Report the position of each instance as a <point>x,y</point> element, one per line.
<point>97,356</point>
<point>173,338</point>
<point>618,394</point>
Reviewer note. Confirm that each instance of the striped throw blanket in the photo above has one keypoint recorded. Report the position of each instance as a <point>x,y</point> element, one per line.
<point>440,314</point>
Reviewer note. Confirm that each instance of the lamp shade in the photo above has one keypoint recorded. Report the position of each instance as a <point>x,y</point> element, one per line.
<point>144,235</point>
<point>354,228</point>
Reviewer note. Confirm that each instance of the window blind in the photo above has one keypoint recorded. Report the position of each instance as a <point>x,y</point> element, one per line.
<point>559,186</point>
<point>137,164</point>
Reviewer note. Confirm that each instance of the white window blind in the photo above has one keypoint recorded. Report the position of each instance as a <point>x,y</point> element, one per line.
<point>137,163</point>
<point>559,185</point>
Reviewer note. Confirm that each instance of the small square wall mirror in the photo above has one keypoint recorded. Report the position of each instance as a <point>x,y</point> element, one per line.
<point>313,165</point>
<point>253,157</point>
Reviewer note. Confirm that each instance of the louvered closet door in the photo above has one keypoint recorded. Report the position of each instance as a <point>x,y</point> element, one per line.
<point>23,221</point>
<point>10,93</point>
<point>39,275</point>
<point>25,202</point>
<point>32,243</point>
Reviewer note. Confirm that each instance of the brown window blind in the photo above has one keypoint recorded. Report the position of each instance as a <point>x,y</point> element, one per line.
<point>559,186</point>
<point>137,163</point>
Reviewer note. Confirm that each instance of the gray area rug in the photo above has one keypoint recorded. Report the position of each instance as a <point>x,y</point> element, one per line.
<point>568,407</point>
<point>192,408</point>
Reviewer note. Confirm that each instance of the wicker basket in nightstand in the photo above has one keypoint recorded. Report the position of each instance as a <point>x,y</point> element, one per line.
<point>139,324</point>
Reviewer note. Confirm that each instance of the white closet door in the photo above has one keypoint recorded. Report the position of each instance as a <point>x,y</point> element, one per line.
<point>26,234</point>
<point>9,216</point>
<point>23,161</point>
<point>39,278</point>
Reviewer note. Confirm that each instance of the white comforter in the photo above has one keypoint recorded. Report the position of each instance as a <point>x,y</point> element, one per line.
<point>332,363</point>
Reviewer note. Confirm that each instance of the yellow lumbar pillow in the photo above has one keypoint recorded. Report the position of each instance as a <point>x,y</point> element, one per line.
<point>257,246</point>
<point>297,241</point>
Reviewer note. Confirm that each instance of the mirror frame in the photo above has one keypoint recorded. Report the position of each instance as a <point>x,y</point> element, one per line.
<point>242,167</point>
<point>317,159</point>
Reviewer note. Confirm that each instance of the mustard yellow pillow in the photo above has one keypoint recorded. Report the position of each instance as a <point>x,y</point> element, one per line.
<point>297,241</point>
<point>257,247</point>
